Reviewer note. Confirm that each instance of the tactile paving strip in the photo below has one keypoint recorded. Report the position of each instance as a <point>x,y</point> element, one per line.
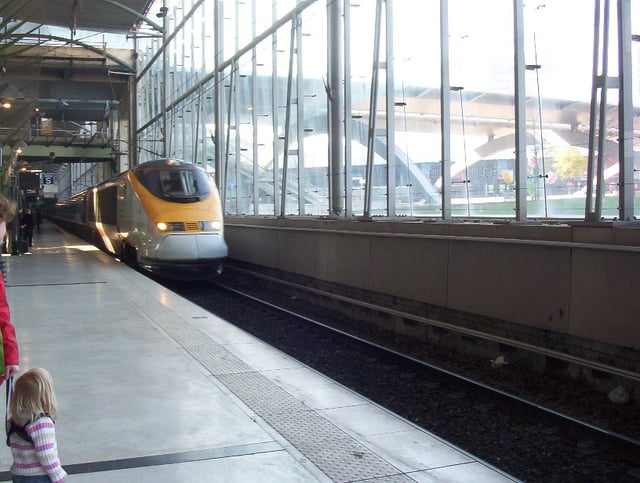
<point>263,396</point>
<point>338,455</point>
<point>216,359</point>
<point>334,451</point>
<point>211,355</point>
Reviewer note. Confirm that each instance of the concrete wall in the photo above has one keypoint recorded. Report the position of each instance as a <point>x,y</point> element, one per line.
<point>577,280</point>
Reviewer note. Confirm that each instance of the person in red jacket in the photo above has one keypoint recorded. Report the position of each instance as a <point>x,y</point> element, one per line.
<point>9,341</point>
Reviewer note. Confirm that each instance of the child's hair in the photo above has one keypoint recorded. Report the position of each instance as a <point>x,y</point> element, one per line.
<point>32,396</point>
<point>7,209</point>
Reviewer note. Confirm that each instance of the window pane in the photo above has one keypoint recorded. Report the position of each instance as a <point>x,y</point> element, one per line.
<point>417,112</point>
<point>482,108</point>
<point>558,79</point>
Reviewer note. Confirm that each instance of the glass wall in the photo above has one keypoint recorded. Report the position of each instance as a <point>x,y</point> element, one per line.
<point>293,80</point>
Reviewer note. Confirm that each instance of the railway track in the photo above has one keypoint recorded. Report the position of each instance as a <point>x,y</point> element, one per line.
<point>517,435</point>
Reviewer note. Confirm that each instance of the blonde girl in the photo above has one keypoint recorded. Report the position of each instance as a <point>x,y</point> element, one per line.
<point>32,434</point>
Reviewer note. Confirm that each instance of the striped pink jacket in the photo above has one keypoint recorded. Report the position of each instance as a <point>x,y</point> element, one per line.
<point>41,457</point>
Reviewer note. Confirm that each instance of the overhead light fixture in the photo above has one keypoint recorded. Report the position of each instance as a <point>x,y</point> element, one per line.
<point>120,73</point>
<point>5,103</point>
<point>19,145</point>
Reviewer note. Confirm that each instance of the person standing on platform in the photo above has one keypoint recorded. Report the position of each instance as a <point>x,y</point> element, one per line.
<point>32,430</point>
<point>17,237</point>
<point>26,224</point>
<point>7,330</point>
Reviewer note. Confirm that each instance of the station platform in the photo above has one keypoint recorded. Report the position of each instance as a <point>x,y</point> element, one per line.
<point>152,388</point>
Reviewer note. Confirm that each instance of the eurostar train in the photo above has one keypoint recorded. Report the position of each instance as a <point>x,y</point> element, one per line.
<point>163,216</point>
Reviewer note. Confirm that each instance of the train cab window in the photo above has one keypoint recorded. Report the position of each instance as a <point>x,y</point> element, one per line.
<point>182,182</point>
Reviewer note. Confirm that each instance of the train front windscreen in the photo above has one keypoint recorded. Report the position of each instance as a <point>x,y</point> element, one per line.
<point>174,180</point>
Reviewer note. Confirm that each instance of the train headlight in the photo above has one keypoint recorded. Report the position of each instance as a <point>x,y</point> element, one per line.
<point>170,226</point>
<point>211,225</point>
<point>191,226</point>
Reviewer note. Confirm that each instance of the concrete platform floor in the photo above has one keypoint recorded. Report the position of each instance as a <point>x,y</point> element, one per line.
<point>154,389</point>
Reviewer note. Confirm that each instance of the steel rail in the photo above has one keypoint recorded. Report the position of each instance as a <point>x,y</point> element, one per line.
<point>628,444</point>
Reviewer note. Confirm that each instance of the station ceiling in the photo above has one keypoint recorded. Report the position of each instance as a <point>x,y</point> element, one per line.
<point>61,77</point>
<point>98,15</point>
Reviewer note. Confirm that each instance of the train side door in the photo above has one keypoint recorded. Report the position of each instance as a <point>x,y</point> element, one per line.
<point>89,213</point>
<point>123,223</point>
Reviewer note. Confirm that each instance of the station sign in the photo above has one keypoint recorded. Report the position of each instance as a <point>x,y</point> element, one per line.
<point>49,185</point>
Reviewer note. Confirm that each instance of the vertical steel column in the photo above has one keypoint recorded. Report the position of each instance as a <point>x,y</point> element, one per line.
<point>348,123</point>
<point>274,111</point>
<point>287,119</point>
<point>373,102</point>
<point>335,49</point>
<point>203,95</point>
<point>625,113</point>
<point>234,99</point>
<point>520,114</point>
<point>165,80</point>
<point>185,117</point>
<point>227,143</point>
<point>595,167</point>
<point>445,111</point>
<point>170,128</point>
<point>196,130</point>
<point>202,108</point>
<point>218,99</point>
<point>158,106</point>
<point>299,100</point>
<point>602,118</point>
<point>255,196</point>
<point>390,111</point>
<point>195,106</point>
<point>241,198</point>
<point>132,87</point>
<point>588,211</point>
